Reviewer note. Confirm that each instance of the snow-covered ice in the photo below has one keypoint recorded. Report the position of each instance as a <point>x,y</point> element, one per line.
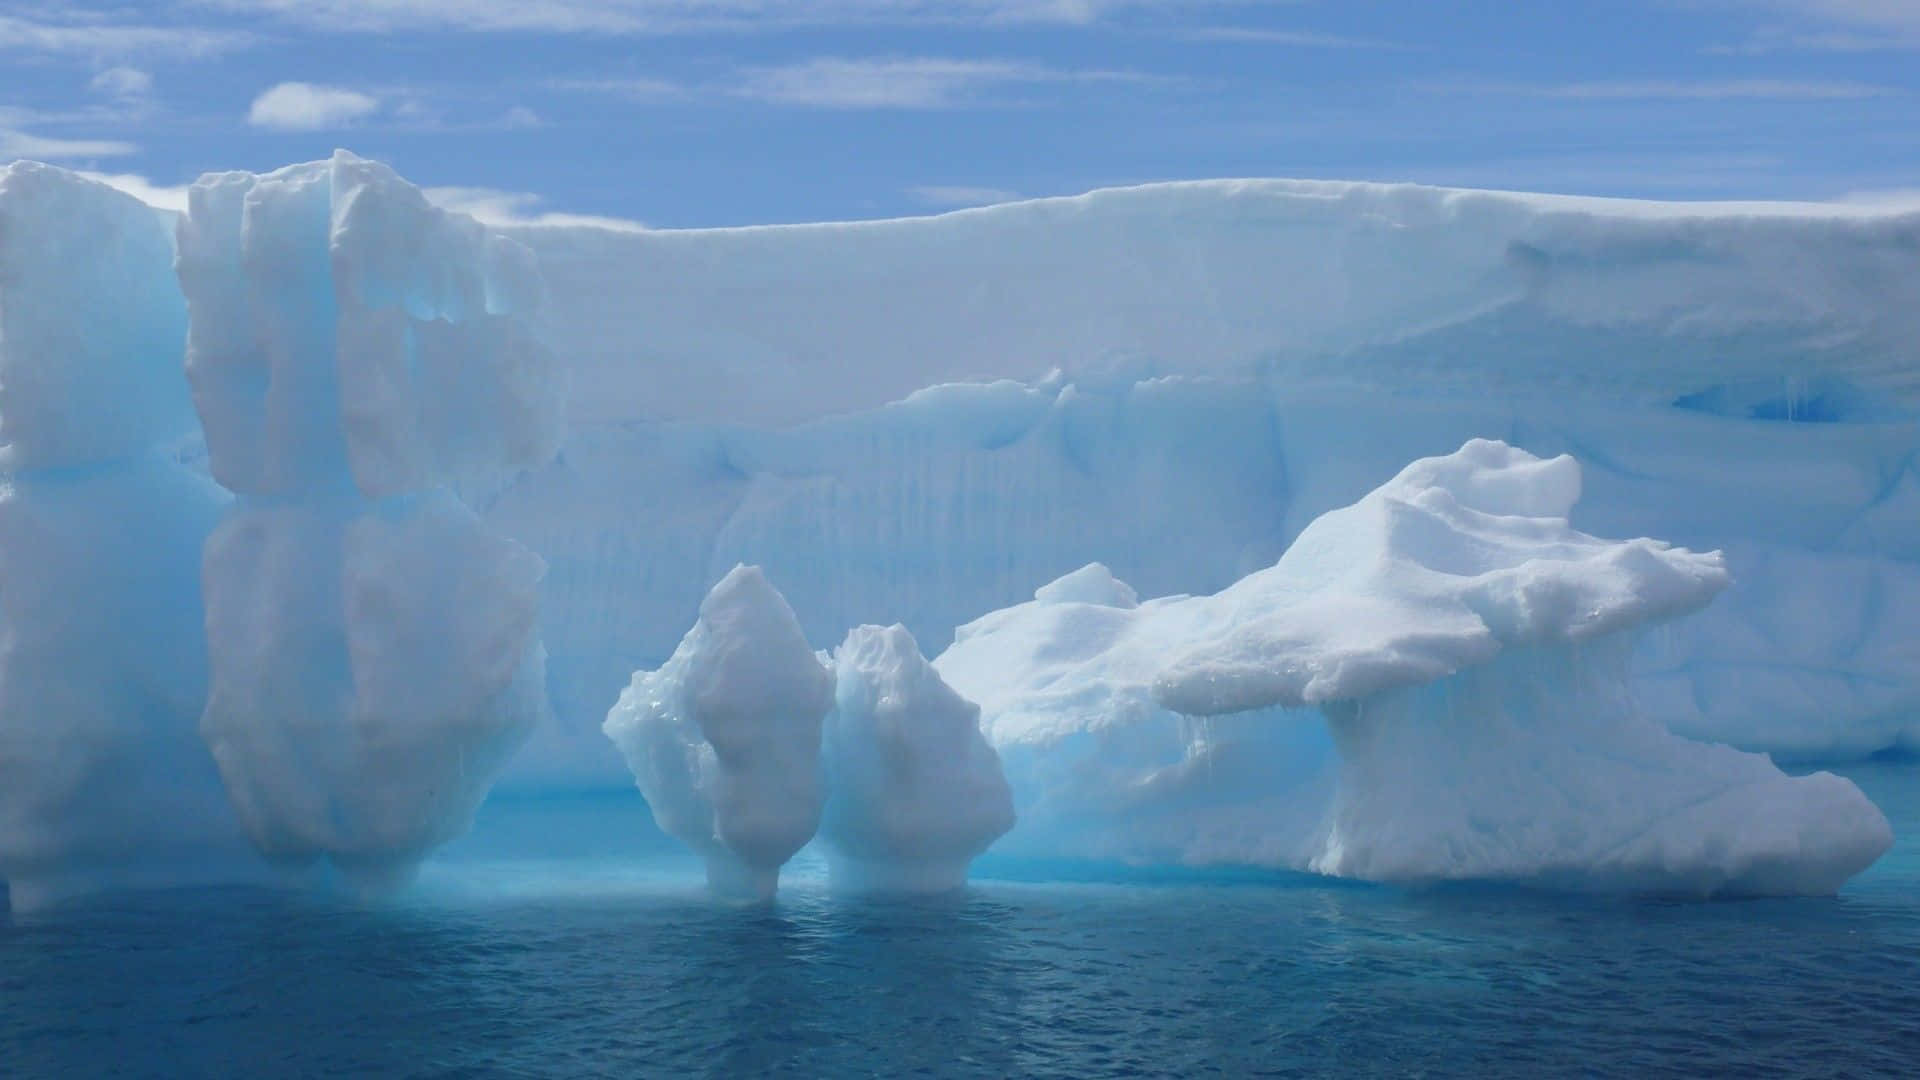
<point>724,738</point>
<point>914,791</point>
<point>1469,651</point>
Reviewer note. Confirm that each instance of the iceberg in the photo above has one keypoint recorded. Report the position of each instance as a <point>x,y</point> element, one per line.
<point>359,360</point>
<point>1467,650</point>
<point>317,497</point>
<point>103,669</point>
<point>915,792</point>
<point>724,738</point>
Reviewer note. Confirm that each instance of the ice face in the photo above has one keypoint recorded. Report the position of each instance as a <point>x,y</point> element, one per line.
<point>345,330</point>
<point>915,791</point>
<point>90,323</point>
<point>372,672</point>
<point>358,358</point>
<point>724,739</point>
<point>103,668</point>
<point>1469,651</point>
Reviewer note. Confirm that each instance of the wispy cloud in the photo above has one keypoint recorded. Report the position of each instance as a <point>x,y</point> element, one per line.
<point>1299,39</point>
<point>492,206</point>
<point>298,106</point>
<point>673,16</point>
<point>1842,26</point>
<point>98,36</point>
<point>124,84</point>
<point>949,196</point>
<point>915,82</point>
<point>1674,90</point>
<point>631,88</point>
<point>1717,90</point>
<point>22,144</point>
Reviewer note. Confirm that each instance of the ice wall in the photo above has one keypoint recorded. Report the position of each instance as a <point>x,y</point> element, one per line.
<point>359,359</point>
<point>1192,372</point>
<point>103,670</point>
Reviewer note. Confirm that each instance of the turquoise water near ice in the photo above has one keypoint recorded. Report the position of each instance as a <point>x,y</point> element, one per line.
<point>566,939</point>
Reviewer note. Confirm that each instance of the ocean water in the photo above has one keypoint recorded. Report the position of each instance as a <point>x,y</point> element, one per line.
<point>565,939</point>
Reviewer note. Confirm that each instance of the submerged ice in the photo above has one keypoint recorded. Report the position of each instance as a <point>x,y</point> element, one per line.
<point>297,556</point>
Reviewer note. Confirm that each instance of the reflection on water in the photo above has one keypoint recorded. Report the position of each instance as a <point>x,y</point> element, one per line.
<point>593,962</point>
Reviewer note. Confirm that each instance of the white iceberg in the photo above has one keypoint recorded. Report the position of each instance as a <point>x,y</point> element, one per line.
<point>724,738</point>
<point>915,792</point>
<point>1468,651</point>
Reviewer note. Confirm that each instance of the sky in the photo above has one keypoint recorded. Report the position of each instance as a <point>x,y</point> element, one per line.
<point>677,113</point>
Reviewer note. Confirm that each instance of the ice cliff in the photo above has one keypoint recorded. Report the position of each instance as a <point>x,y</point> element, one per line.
<point>922,420</point>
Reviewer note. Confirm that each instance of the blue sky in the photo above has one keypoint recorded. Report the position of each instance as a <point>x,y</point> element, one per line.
<point>714,112</point>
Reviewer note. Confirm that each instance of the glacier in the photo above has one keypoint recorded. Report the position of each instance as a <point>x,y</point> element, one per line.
<point>299,432</point>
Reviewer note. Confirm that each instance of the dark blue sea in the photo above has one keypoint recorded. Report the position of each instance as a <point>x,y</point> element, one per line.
<point>565,939</point>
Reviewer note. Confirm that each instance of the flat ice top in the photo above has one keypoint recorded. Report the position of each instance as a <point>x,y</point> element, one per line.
<point>1390,285</point>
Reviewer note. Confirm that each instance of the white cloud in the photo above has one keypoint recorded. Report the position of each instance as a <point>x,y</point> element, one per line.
<point>122,83</point>
<point>156,195</point>
<point>1721,90</point>
<point>298,106</point>
<point>899,83</point>
<point>957,196</point>
<point>97,37</point>
<point>492,206</point>
<point>520,117</point>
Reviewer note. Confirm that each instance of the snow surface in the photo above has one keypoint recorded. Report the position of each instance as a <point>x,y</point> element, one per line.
<point>1468,650</point>
<point>724,738</point>
<point>915,792</point>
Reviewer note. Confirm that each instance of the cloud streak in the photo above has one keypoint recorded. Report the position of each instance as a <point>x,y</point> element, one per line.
<point>674,16</point>
<point>97,37</point>
<point>21,144</point>
<point>915,82</point>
